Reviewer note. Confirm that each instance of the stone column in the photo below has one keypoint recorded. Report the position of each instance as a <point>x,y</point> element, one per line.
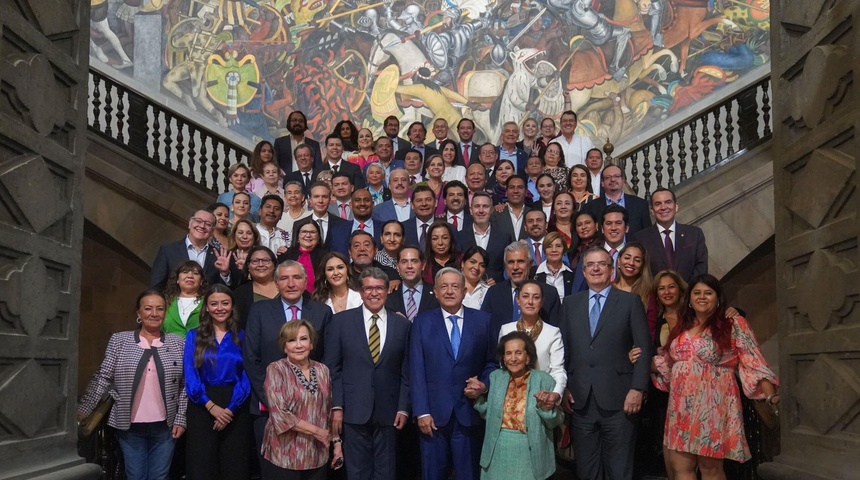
<point>818,282</point>
<point>43,121</point>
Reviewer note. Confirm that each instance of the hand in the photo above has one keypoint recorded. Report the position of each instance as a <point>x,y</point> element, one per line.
<point>633,402</point>
<point>337,456</point>
<point>501,207</point>
<point>323,436</point>
<point>281,250</point>
<point>336,422</point>
<point>634,354</point>
<point>400,421</point>
<point>218,425</point>
<point>426,425</point>
<point>223,415</point>
<point>177,431</point>
<point>661,351</point>
<point>567,402</point>
<point>393,285</point>
<point>490,282</point>
<point>732,312</point>
<point>474,388</point>
<point>222,260</point>
<point>546,400</point>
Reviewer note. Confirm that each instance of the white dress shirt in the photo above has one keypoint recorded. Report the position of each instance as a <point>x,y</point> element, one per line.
<point>381,323</point>
<point>353,300</point>
<point>322,222</point>
<point>574,150</point>
<point>482,239</point>
<point>449,325</point>
<point>403,211</point>
<point>674,229</point>
<point>556,282</point>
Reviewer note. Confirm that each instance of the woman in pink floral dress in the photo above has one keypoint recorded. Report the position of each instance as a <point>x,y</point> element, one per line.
<point>707,352</point>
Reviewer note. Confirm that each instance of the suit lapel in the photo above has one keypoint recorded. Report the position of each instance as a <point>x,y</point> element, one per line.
<point>359,333</point>
<point>442,333</point>
<point>606,312</point>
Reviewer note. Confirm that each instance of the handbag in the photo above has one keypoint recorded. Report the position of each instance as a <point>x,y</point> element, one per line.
<point>91,423</point>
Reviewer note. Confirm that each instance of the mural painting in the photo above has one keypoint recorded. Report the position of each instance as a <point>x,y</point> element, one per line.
<point>621,64</point>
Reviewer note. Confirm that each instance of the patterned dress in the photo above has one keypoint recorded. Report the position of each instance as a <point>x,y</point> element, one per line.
<point>705,414</point>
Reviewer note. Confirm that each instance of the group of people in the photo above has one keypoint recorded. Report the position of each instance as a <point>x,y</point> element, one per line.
<point>403,312</point>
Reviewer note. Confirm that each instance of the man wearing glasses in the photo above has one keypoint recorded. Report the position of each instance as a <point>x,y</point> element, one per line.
<point>195,246</point>
<point>612,181</point>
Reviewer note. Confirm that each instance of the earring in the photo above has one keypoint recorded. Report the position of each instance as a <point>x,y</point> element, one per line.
<point>690,305</point>
<point>139,320</point>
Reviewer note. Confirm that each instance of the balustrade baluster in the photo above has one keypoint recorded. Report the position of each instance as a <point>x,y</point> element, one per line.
<point>97,103</point>
<point>765,107</point>
<point>180,149</point>
<point>730,129</point>
<point>658,161</point>
<point>168,142</point>
<point>109,108</point>
<point>120,115</point>
<point>646,170</point>
<point>694,147</point>
<point>706,142</point>
<point>718,136</point>
<point>192,157</point>
<point>682,153</point>
<point>670,158</point>
<point>204,161</point>
<point>634,173</point>
<point>156,135</point>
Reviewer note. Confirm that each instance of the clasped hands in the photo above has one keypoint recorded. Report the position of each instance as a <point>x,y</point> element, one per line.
<point>223,416</point>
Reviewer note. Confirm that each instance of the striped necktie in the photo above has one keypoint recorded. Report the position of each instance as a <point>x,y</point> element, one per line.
<point>373,338</point>
<point>411,307</point>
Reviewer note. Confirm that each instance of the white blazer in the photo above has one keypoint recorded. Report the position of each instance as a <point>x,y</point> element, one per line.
<point>550,352</point>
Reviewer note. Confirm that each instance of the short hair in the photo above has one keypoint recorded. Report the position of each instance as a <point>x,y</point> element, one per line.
<point>540,159</point>
<point>301,146</point>
<point>514,177</point>
<point>531,350</point>
<point>603,172</point>
<point>482,194</point>
<point>519,245</point>
<point>394,222</point>
<point>421,257</point>
<point>511,122</point>
<point>246,272</point>
<point>454,184</point>
<point>594,150</point>
<point>614,208</point>
<point>464,119</point>
<point>374,165</point>
<point>332,136</point>
<point>384,137</point>
<point>292,263</point>
<point>391,117</point>
<point>305,118</point>
<point>551,237</point>
<point>570,112</point>
<point>290,331</point>
<point>293,183</point>
<point>372,272</point>
<point>269,197</point>
<point>318,184</point>
<point>597,249</point>
<point>236,166</point>
<point>448,270</point>
<point>358,232</point>
<point>149,292</point>
<point>342,174</point>
<point>416,123</point>
<point>537,211</point>
<point>412,150</point>
<point>485,144</point>
<point>662,189</point>
<point>422,189</point>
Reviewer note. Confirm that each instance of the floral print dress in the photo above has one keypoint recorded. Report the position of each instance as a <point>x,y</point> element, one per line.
<point>705,416</point>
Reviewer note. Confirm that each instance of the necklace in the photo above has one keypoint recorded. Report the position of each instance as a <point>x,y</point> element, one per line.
<point>186,305</point>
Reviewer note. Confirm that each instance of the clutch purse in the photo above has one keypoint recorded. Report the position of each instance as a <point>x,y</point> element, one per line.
<point>91,423</point>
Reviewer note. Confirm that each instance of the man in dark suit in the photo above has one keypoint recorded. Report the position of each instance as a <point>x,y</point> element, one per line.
<point>604,390</point>
<point>307,169</point>
<point>195,246</point>
<point>320,200</point>
<point>499,301</point>
<point>614,227</point>
<point>334,161</point>
<point>535,225</point>
<point>385,152</point>
<point>451,347</point>
<point>285,146</point>
<point>370,379</point>
<point>440,133</point>
<point>391,127</point>
<point>265,319</point>
<point>413,296</point>
<point>594,163</point>
<point>454,193</point>
<point>673,245</point>
<point>509,150</point>
<point>612,181</point>
<point>468,151</point>
<point>424,206</point>
<point>417,134</point>
<point>512,218</point>
<point>483,234</point>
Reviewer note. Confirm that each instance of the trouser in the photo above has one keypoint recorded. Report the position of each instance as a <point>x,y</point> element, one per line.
<point>147,449</point>
<point>213,454</point>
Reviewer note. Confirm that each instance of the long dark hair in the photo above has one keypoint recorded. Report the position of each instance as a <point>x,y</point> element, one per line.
<point>322,289</point>
<point>349,144</point>
<point>256,163</point>
<point>719,326</point>
<point>172,290</point>
<point>206,331</point>
<point>428,248</point>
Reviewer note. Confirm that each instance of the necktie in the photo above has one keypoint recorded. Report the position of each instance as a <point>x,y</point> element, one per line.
<point>361,226</point>
<point>456,223</point>
<point>538,258</point>
<point>295,310</point>
<point>413,179</point>
<point>373,339</point>
<point>321,223</point>
<point>669,249</point>
<point>411,307</point>
<point>455,335</point>
<point>594,314</point>
<point>307,180</point>
<point>343,208</point>
<point>516,310</point>
<point>422,238</point>
<point>466,148</point>
<point>336,168</point>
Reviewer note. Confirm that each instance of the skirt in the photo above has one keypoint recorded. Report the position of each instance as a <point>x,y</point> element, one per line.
<point>510,458</point>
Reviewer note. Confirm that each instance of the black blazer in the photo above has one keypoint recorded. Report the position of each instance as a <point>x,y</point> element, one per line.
<point>499,239</point>
<point>474,153</point>
<point>170,255</point>
<point>340,237</point>
<point>638,216</point>
<point>284,154</point>
<point>293,253</point>
<point>691,252</point>
<point>333,225</point>
<point>395,300</point>
<point>299,177</point>
<point>566,275</point>
<point>428,150</point>
<point>502,221</point>
<point>499,303</point>
<point>351,169</point>
<point>260,347</point>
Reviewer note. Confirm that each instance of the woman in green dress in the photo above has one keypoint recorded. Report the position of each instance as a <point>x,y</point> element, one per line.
<point>184,290</point>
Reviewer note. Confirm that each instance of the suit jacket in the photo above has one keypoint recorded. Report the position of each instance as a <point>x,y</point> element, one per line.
<point>401,142</point>
<point>367,391</point>
<point>170,255</point>
<point>428,150</point>
<point>474,153</point>
<point>522,159</point>
<point>691,252</point>
<point>351,169</point>
<point>411,228</point>
<point>261,340</point>
<point>395,303</point>
<point>502,220</point>
<point>333,223</point>
<point>173,321</point>
<point>385,211</point>
<point>284,153</point>
<point>436,378</point>
<point>539,423</point>
<point>599,365</point>
<point>499,303</point>
<point>299,177</point>
<point>499,239</point>
<point>465,222</point>
<point>638,216</point>
<point>568,277</point>
<point>340,238</point>
<point>334,209</point>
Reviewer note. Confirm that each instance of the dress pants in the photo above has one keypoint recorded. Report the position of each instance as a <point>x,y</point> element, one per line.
<point>214,455</point>
<point>604,442</point>
<point>370,451</point>
<point>452,444</point>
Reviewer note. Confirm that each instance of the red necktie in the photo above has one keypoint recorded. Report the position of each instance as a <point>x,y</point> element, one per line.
<point>537,253</point>
<point>466,153</point>
<point>361,226</point>
<point>456,223</point>
<point>343,210</point>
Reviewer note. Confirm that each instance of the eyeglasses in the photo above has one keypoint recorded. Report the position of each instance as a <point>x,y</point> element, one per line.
<point>200,221</point>
<point>261,261</point>
<point>378,289</point>
<point>602,265</point>
<point>611,177</point>
<point>308,232</point>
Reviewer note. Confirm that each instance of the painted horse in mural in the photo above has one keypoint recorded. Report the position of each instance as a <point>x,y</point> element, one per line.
<point>685,22</point>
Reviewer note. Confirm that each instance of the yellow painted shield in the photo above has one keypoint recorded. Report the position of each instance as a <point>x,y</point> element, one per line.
<point>382,101</point>
<point>229,79</point>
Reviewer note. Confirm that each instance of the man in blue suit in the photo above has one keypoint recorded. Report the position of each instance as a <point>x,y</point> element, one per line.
<point>509,150</point>
<point>370,384</point>
<point>449,348</point>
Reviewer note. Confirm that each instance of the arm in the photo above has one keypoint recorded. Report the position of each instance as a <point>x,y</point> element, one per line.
<point>701,261</point>
<point>194,387</point>
<point>556,363</point>
<point>278,387</point>
<point>102,380</point>
<point>334,361</point>
<point>418,374</point>
<point>757,379</point>
<point>552,417</point>
<point>641,339</point>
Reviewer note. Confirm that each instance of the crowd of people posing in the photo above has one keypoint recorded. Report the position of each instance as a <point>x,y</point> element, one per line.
<point>412,309</point>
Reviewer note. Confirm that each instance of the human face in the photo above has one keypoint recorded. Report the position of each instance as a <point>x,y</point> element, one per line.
<point>392,238</point>
<point>239,179</point>
<point>241,205</point>
<point>530,128</point>
<point>345,130</point>
<point>466,130</point>
<point>598,270</point>
<point>450,292</point>
<point>294,196</point>
<point>664,208</point>
<point>375,175</point>
<point>374,292</point>
<point>449,153</point>
<point>516,359</point>
<point>614,228</point>
<point>334,149</point>
<point>222,218</point>
<point>189,281</point>
<point>341,187</point>
<point>510,134</point>
<point>568,124</point>
<point>266,153</point>
<point>362,250</point>
<point>244,236</point>
<point>417,134</point>
<point>299,349</point>
<point>488,156</point>
<point>703,299</point>
<point>151,313</point>
<point>391,127</point>
<point>585,227</point>
<point>320,200</point>
<point>668,291</point>
<point>504,171</point>
<point>535,224</point>
<point>270,174</point>
<point>201,224</point>
<point>383,149</point>
<point>296,124</point>
<point>412,163</point>
<point>612,181</point>
<point>481,209</point>
<point>365,139</point>
<point>220,307</point>
<point>305,159</point>
<point>594,161</point>
<point>424,204</point>
<point>533,167</point>
<point>530,300</point>
<point>270,213</point>
<point>455,200</point>
<point>309,237</point>
<point>630,263</point>
<point>563,206</point>
<point>440,240</point>
<point>516,191</point>
<point>440,129</point>
<point>398,183</point>
<point>547,128</point>
<point>291,282</point>
<point>261,267</point>
<point>555,251</point>
<point>546,188</point>
<point>578,180</point>
<point>435,167</point>
<point>335,272</point>
<point>476,177</point>
<point>552,155</point>
<point>517,264</point>
<point>474,268</point>
<point>409,266</point>
<point>362,204</point>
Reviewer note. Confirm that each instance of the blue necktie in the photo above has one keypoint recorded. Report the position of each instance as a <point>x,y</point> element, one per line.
<point>594,314</point>
<point>517,314</point>
<point>455,335</point>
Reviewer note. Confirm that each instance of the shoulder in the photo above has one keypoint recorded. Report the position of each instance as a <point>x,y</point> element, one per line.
<point>550,330</point>
<point>510,327</point>
<point>173,339</point>
<point>498,375</point>
<point>476,315</point>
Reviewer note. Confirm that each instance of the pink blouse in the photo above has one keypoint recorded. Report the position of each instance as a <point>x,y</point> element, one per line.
<point>148,405</point>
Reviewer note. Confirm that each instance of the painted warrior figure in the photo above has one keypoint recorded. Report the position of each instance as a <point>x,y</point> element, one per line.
<point>447,49</point>
<point>598,30</point>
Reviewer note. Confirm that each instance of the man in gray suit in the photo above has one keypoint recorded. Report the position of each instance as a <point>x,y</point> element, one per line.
<point>599,326</point>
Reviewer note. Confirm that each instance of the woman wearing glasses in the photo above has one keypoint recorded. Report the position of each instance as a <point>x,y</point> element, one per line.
<point>260,270</point>
<point>308,250</point>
